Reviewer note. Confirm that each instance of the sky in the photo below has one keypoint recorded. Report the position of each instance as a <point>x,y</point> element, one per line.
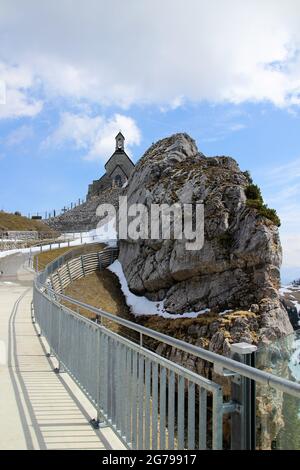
<point>73,73</point>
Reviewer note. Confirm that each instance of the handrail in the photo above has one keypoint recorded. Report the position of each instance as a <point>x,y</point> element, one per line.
<point>265,378</point>
<point>108,367</point>
<point>252,373</point>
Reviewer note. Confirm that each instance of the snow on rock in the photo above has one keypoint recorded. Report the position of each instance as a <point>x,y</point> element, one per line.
<point>140,305</point>
<point>294,364</point>
<point>296,304</point>
<point>225,311</point>
<point>285,290</point>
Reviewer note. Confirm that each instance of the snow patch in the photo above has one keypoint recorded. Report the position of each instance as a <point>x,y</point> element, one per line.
<point>140,305</point>
<point>294,364</point>
<point>107,233</point>
<point>225,311</point>
<point>296,304</point>
<point>285,290</point>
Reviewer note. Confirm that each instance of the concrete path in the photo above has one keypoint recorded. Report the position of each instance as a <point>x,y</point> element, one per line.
<point>38,408</point>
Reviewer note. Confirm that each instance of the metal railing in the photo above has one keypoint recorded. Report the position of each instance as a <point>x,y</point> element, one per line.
<point>148,400</point>
<point>134,390</point>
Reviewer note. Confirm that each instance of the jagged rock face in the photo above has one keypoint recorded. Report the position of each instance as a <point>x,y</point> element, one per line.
<point>238,265</point>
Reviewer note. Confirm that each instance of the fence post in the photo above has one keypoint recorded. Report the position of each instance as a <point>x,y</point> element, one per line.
<point>59,368</point>
<point>82,265</point>
<point>243,432</point>
<point>99,261</point>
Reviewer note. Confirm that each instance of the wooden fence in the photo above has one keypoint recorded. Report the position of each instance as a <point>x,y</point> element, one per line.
<point>81,266</point>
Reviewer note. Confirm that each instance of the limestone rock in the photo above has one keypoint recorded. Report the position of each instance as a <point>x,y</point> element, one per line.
<point>238,266</point>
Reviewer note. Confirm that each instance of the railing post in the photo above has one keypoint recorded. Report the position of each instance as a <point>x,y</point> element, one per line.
<point>59,368</point>
<point>243,430</point>
<point>82,265</point>
<point>99,261</point>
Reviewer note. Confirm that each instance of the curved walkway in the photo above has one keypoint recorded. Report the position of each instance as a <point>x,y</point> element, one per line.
<point>38,408</point>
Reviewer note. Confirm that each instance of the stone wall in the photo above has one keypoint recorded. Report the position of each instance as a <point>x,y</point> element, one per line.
<point>20,235</point>
<point>98,186</point>
<point>83,217</point>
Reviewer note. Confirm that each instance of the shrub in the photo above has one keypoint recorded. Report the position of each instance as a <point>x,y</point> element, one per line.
<point>253,192</point>
<point>18,213</point>
<point>255,200</point>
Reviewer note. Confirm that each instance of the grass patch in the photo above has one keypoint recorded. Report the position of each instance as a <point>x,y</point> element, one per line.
<point>20,223</point>
<point>102,290</point>
<point>46,257</point>
<point>265,211</point>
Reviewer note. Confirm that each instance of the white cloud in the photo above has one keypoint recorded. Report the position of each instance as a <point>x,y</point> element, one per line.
<point>2,92</point>
<point>237,127</point>
<point>94,135</point>
<point>291,249</point>
<point>285,180</point>
<point>18,84</point>
<point>79,129</point>
<point>164,53</point>
<point>286,174</point>
<point>18,136</point>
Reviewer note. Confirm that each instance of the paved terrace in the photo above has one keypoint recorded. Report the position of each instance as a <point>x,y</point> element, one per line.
<point>38,408</point>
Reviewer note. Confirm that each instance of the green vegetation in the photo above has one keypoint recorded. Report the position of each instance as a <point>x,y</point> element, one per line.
<point>253,192</point>
<point>255,201</point>
<point>18,222</point>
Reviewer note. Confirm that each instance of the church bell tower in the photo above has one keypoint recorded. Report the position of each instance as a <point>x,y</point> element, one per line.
<point>120,141</point>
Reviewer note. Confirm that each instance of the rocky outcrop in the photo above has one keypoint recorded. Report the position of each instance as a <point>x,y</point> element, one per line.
<point>238,266</point>
<point>83,217</point>
<point>237,269</point>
